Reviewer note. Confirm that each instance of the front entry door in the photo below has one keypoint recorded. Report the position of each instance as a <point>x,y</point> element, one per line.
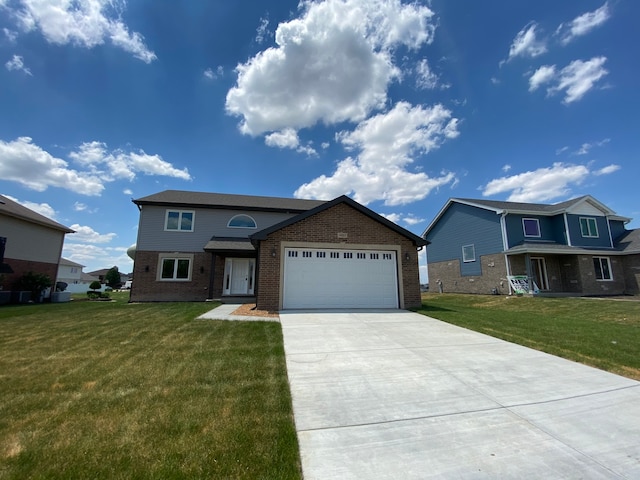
<point>539,272</point>
<point>238,276</point>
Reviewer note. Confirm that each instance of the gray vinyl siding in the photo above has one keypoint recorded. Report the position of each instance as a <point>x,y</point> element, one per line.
<point>207,223</point>
<point>464,225</point>
<point>577,240</point>
<point>32,242</point>
<point>551,229</point>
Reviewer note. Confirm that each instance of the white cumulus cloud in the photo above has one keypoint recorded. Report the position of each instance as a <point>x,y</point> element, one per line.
<point>543,184</point>
<point>26,163</point>
<point>583,24</point>
<point>84,23</point>
<point>41,208</point>
<point>607,170</point>
<point>120,164</point>
<point>575,80</point>
<point>89,235</point>
<point>387,144</point>
<point>526,43</point>
<point>17,63</point>
<point>331,64</point>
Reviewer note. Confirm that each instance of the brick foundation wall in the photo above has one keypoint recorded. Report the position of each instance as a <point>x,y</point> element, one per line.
<point>494,276</point>
<point>324,228</point>
<point>631,265</point>
<point>21,267</point>
<point>591,286</point>
<point>145,287</point>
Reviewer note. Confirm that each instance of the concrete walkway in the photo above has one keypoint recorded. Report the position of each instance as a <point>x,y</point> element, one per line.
<point>397,395</point>
<point>225,312</point>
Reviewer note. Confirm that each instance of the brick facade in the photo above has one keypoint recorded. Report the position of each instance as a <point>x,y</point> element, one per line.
<point>566,274</point>
<point>146,288</point>
<point>21,267</point>
<point>355,229</point>
<point>632,274</point>
<point>448,275</point>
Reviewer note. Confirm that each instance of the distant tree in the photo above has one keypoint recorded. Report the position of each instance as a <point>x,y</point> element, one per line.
<point>95,285</point>
<point>112,278</point>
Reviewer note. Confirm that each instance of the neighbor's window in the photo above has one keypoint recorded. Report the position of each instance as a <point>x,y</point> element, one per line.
<point>531,227</point>
<point>172,268</point>
<point>242,221</point>
<point>588,227</point>
<point>469,253</point>
<point>179,221</point>
<point>602,266</point>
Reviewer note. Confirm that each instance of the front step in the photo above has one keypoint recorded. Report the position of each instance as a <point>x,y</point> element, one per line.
<point>238,299</point>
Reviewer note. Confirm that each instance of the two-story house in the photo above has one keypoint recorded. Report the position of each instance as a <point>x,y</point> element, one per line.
<point>32,242</point>
<point>577,247</point>
<point>282,253</point>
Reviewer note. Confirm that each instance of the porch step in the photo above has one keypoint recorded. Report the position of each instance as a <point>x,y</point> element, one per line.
<point>238,300</point>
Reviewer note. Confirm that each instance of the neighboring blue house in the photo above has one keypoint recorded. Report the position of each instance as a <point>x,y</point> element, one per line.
<point>577,247</point>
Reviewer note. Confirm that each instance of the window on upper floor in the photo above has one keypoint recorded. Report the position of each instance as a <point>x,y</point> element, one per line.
<point>588,227</point>
<point>468,253</point>
<point>179,221</point>
<point>242,221</point>
<point>602,266</point>
<point>531,227</point>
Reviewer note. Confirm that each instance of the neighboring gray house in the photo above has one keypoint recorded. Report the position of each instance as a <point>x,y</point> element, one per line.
<point>577,247</point>
<point>282,253</point>
<point>32,242</point>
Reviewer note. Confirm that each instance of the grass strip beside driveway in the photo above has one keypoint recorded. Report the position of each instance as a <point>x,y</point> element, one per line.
<point>118,390</point>
<point>603,333</point>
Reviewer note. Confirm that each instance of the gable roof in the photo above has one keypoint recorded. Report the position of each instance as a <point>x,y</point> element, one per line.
<point>522,208</point>
<point>13,209</point>
<point>68,263</point>
<point>187,199</point>
<point>263,234</point>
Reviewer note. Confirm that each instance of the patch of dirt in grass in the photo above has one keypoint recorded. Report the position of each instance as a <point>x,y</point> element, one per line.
<point>248,309</point>
<point>12,447</point>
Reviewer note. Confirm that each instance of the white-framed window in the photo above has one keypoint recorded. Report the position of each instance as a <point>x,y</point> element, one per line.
<point>174,267</point>
<point>179,220</point>
<point>588,227</point>
<point>602,267</point>
<point>531,227</point>
<point>242,221</point>
<point>468,253</point>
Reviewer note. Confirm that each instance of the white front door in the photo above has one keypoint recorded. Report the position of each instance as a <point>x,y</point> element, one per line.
<point>238,276</point>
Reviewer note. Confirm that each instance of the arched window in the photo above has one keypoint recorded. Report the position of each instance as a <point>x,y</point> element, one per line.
<point>242,221</point>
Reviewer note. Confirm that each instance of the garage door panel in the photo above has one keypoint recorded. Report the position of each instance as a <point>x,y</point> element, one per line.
<point>328,278</point>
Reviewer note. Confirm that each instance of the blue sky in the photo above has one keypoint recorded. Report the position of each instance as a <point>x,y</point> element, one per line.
<point>399,105</point>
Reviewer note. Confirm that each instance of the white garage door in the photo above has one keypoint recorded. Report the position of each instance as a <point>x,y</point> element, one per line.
<point>329,278</point>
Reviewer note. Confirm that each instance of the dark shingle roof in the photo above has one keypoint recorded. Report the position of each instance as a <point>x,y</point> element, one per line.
<point>528,207</point>
<point>229,201</point>
<point>12,209</point>
<point>629,242</point>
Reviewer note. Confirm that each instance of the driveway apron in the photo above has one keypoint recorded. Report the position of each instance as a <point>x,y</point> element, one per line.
<point>397,395</point>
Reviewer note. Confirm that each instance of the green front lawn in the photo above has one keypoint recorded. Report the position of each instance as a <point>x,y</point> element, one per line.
<point>599,332</point>
<point>135,391</point>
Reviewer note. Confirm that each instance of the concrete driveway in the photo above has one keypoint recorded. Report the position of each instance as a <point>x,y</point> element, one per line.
<point>394,394</point>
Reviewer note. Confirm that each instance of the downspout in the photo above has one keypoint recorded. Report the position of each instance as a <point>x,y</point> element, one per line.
<point>566,229</point>
<point>505,246</point>
<point>609,228</point>
<point>213,274</point>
